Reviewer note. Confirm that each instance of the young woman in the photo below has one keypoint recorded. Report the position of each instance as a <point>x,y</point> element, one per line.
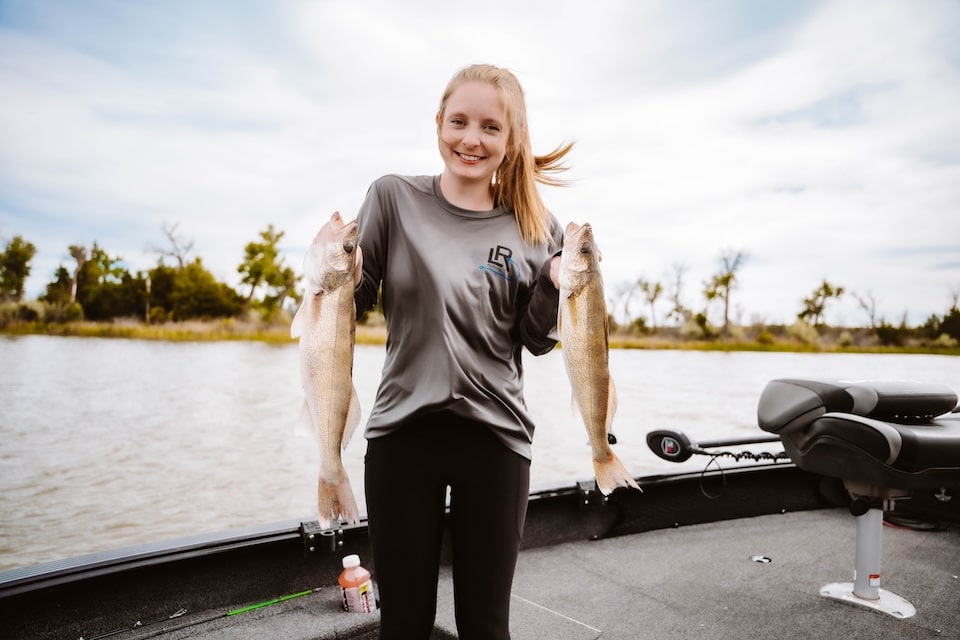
<point>464,260</point>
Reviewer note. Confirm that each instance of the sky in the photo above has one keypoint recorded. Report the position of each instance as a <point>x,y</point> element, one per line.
<point>821,139</point>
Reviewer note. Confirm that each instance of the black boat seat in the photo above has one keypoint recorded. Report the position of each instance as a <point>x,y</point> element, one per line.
<point>883,439</point>
<point>882,433</point>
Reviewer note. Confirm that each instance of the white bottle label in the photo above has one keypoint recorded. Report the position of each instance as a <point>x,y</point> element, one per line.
<point>359,599</point>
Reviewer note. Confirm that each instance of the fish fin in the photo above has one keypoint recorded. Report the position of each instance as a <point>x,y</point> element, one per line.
<point>353,418</point>
<point>574,407</point>
<point>611,473</point>
<point>611,405</point>
<point>296,327</point>
<point>335,501</point>
<point>304,426</point>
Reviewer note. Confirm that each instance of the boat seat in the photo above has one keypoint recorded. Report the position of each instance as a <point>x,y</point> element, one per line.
<point>884,439</point>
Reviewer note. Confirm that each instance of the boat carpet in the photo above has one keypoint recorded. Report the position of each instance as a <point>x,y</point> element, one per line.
<point>754,578</point>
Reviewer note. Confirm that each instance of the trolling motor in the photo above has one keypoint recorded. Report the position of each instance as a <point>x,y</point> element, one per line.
<point>675,446</point>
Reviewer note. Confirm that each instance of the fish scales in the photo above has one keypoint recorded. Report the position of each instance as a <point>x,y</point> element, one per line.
<point>328,366</point>
<point>326,326</point>
<point>582,324</point>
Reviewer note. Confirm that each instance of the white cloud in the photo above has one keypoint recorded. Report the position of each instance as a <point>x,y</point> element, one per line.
<point>822,144</point>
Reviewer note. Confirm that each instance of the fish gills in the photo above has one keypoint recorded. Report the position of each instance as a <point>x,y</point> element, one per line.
<point>326,326</point>
<point>583,328</point>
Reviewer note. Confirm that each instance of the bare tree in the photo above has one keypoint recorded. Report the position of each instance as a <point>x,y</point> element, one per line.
<point>623,295</point>
<point>179,248</point>
<point>651,291</point>
<point>678,311</point>
<point>723,282</point>
<point>869,304</point>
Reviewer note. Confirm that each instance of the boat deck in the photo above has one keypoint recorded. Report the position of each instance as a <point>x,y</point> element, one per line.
<point>691,582</point>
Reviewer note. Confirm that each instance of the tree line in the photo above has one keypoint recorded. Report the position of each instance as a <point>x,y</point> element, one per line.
<point>719,288</point>
<point>95,286</point>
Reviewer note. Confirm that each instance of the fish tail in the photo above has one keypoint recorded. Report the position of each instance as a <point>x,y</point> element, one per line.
<point>335,502</point>
<point>611,473</point>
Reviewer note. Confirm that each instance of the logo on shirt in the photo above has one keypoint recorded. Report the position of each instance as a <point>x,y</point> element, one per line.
<point>501,264</point>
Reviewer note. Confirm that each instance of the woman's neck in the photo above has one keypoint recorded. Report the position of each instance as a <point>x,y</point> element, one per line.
<point>472,196</point>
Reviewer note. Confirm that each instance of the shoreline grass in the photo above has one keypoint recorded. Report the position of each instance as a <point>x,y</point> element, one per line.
<point>191,331</point>
<point>235,330</point>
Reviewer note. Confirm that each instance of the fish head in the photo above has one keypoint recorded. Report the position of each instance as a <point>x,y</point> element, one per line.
<point>332,257</point>
<point>580,259</point>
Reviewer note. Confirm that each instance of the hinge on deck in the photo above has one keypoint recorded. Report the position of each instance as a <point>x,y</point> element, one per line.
<point>316,540</point>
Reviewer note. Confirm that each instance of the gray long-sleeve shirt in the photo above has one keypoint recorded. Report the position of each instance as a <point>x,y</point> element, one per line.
<point>462,294</point>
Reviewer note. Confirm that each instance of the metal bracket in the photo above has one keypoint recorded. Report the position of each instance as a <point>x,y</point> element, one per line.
<point>316,540</point>
<point>943,494</point>
<point>590,495</point>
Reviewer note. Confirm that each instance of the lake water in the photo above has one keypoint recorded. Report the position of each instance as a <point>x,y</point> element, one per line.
<point>106,443</point>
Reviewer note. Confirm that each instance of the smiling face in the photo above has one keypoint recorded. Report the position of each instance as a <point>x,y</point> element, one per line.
<point>473,132</point>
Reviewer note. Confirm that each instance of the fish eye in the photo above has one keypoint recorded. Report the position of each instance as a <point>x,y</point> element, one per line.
<point>585,247</point>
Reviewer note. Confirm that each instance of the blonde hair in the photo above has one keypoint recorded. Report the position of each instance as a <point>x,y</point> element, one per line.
<point>514,182</point>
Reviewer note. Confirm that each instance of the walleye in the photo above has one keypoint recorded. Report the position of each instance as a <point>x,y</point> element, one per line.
<point>326,325</point>
<point>582,324</point>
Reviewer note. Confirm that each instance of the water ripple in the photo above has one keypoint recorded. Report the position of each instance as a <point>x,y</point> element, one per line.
<point>107,443</point>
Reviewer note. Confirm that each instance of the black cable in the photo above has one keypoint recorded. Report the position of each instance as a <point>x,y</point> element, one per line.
<point>763,456</point>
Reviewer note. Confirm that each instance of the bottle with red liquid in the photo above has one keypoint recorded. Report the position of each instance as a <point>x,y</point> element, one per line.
<point>356,586</point>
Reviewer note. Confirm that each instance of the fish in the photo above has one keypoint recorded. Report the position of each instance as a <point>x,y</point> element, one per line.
<point>583,329</point>
<point>326,324</point>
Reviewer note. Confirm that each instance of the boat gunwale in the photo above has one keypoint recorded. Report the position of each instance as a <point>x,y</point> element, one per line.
<point>111,561</point>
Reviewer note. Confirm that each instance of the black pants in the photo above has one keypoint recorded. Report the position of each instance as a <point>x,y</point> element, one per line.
<point>406,478</point>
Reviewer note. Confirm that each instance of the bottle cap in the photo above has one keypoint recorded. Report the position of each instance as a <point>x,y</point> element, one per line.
<point>353,560</point>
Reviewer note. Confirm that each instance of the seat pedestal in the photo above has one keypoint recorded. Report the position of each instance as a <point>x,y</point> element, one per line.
<point>865,589</point>
<point>884,439</point>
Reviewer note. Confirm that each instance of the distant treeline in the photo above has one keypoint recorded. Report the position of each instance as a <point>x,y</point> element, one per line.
<point>693,323</point>
<point>95,286</point>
